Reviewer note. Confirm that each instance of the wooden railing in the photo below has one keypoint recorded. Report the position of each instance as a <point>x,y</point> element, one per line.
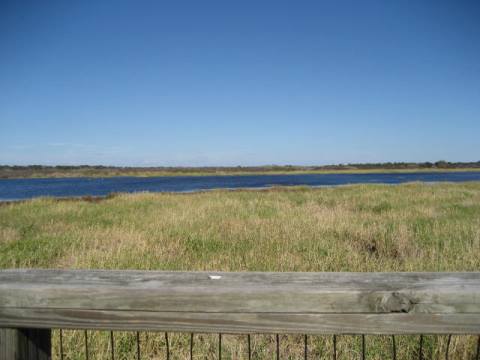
<point>32,302</point>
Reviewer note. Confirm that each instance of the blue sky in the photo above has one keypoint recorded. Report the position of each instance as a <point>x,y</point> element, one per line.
<point>239,83</point>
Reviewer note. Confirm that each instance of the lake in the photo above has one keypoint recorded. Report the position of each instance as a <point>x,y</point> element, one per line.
<point>18,189</point>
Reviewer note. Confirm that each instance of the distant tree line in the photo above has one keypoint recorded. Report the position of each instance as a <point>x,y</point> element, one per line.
<point>6,170</point>
<point>442,164</point>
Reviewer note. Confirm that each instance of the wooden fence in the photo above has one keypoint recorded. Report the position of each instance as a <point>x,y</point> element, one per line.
<point>32,302</point>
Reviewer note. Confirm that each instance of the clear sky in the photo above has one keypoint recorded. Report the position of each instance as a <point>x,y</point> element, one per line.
<point>239,82</point>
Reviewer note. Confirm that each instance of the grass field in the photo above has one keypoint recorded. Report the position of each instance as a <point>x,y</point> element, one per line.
<point>411,227</point>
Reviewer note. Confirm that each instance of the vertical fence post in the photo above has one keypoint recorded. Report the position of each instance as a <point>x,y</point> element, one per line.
<point>25,344</point>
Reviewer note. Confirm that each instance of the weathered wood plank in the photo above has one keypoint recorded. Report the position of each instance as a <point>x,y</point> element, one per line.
<point>242,323</point>
<point>243,292</point>
<point>370,280</point>
<point>376,303</point>
<point>25,344</point>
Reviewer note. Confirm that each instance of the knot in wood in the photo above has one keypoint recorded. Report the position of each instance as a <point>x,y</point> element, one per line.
<point>396,302</point>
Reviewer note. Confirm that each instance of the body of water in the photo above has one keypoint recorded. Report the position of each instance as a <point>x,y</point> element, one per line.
<point>18,189</point>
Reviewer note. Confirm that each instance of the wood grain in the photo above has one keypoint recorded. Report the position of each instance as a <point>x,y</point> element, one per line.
<point>242,323</point>
<point>369,303</point>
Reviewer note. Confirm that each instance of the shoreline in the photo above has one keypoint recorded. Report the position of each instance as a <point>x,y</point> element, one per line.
<point>99,198</point>
<point>151,174</point>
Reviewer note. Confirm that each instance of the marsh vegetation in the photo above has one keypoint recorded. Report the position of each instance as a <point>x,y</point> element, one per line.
<point>410,227</point>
